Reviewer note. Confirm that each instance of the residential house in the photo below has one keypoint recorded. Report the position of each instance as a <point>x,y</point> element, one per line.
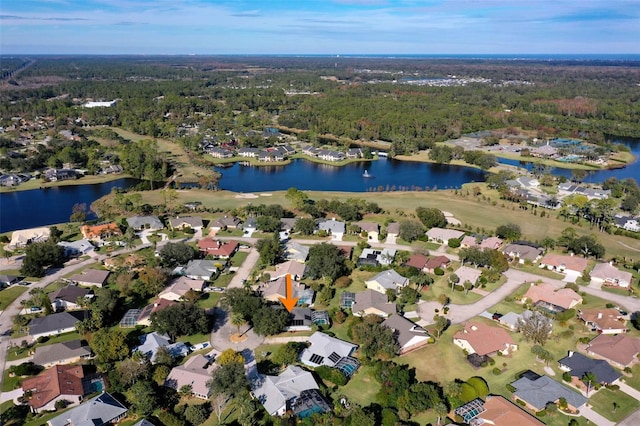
<point>219,152</point>
<point>495,411</point>
<point>27,236</point>
<point>288,223</point>
<point>273,291</point>
<point>468,274</point>
<point>512,320</point>
<point>97,233</point>
<point>564,264</point>
<point>296,251</point>
<point>330,351</point>
<point>409,335</point>
<point>620,349</point>
<point>443,235</point>
<point>270,156</point>
<point>290,267</point>
<point>90,278</point>
<point>418,261</point>
<point>554,300</point>
<point>68,298</point>
<point>608,275</point>
<point>437,262</point>
<point>330,155</point>
<point>493,243</point>
<point>293,390</point>
<point>8,280</point>
<point>218,249</point>
<point>196,372</point>
<point>354,153</point>
<point>482,339</point>
<point>111,169</point>
<point>300,319</point>
<point>578,365</point>
<point>523,182</point>
<point>225,222</point>
<point>311,151</point>
<point>372,229</point>
<point>56,175</point>
<point>333,227</point>
<point>523,252</point>
<point>249,152</point>
<point>102,410</point>
<point>537,392</point>
<point>150,344</point>
<point>54,324</point>
<point>179,288</point>
<point>628,223</point>
<point>201,269</point>
<point>604,321</point>
<point>387,280</point>
<point>143,317</point>
<point>374,257</point>
<point>393,230</point>
<point>76,248</point>
<point>545,151</point>
<point>10,180</point>
<point>186,222</point>
<point>62,353</point>
<point>58,383</point>
<point>371,302</point>
<point>140,223</point>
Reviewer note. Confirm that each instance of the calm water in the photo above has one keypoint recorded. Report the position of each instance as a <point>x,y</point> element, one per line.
<point>41,207</point>
<point>306,175</point>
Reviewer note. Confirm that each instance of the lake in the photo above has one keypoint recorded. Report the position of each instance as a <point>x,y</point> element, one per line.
<point>385,174</point>
<point>41,207</point>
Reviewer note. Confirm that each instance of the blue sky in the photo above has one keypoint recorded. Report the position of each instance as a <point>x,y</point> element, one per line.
<point>319,26</point>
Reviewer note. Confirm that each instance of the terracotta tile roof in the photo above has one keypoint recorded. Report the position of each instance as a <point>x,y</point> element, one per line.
<point>417,261</point>
<point>218,248</point>
<point>56,381</point>
<point>564,297</point>
<point>618,348</point>
<point>573,263</point>
<point>501,412</point>
<point>604,319</point>
<point>437,262</point>
<point>484,339</point>
<point>97,231</point>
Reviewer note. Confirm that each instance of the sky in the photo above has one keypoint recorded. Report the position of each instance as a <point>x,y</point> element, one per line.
<point>330,27</point>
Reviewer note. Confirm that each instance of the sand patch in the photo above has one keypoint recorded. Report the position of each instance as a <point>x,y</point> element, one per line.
<point>246,196</point>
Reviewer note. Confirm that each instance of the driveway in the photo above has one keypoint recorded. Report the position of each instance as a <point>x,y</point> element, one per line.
<point>594,417</point>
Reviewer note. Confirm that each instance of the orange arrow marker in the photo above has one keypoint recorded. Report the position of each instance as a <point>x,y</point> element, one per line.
<point>289,301</point>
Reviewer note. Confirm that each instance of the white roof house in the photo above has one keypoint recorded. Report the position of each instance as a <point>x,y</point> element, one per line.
<point>76,248</point>
<point>387,280</point>
<point>152,342</point>
<point>607,274</point>
<point>326,350</point>
<point>277,393</point>
<point>443,235</point>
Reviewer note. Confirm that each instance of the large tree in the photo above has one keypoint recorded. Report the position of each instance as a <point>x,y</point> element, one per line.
<point>183,319</point>
<point>375,340</point>
<point>41,255</point>
<point>270,250</point>
<point>109,345</point>
<point>410,230</point>
<point>229,379</point>
<point>326,261</point>
<point>268,320</point>
<point>431,217</point>
<point>535,327</point>
<point>176,254</point>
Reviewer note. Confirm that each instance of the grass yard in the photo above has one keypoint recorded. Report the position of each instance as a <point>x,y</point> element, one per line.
<point>534,269</point>
<point>19,352</point>
<point>8,295</point>
<point>208,300</point>
<point>362,387</point>
<point>603,403</point>
<point>239,258</point>
<point>634,380</point>
<point>196,338</point>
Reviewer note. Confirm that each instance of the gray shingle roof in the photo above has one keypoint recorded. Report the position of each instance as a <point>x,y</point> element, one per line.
<point>54,322</point>
<point>140,222</point>
<point>580,364</point>
<point>97,411</point>
<point>543,390</point>
<point>59,352</point>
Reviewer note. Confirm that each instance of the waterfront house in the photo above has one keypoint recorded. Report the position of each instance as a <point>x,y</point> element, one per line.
<point>354,153</point>
<point>330,155</point>
<point>97,233</point>
<point>76,248</point>
<point>23,237</point>
<point>224,223</point>
<point>140,223</point>
<point>217,152</point>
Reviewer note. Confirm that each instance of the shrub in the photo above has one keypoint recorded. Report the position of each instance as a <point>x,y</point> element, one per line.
<point>510,388</point>
<point>343,282</point>
<point>566,376</point>
<point>61,403</point>
<point>585,339</point>
<point>332,375</point>
<point>43,339</point>
<point>541,413</point>
<point>453,243</point>
<point>520,402</point>
<point>497,371</point>
<point>438,271</point>
<point>613,387</point>
<point>566,315</point>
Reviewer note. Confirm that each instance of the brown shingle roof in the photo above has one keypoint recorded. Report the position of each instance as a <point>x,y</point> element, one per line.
<point>483,338</point>
<point>618,348</point>
<point>564,297</point>
<point>573,263</point>
<point>56,381</point>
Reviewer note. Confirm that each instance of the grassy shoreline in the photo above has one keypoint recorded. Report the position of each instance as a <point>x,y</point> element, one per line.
<point>85,180</point>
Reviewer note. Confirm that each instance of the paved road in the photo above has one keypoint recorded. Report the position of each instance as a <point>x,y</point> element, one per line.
<point>594,417</point>
<point>6,316</point>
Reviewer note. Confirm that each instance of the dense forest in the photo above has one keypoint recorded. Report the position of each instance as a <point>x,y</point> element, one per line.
<point>354,98</point>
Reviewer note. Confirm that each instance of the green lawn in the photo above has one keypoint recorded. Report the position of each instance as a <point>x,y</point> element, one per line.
<point>196,338</point>
<point>8,295</point>
<point>208,300</point>
<point>10,383</point>
<point>634,380</point>
<point>239,258</point>
<point>19,352</point>
<point>602,402</point>
<point>362,387</point>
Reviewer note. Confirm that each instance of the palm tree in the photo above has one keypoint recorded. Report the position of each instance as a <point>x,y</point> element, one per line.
<point>238,320</point>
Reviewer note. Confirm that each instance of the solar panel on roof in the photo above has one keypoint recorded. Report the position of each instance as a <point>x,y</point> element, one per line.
<point>316,359</point>
<point>334,357</point>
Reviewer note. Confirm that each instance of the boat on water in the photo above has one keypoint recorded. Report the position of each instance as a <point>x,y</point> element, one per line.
<point>366,174</point>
